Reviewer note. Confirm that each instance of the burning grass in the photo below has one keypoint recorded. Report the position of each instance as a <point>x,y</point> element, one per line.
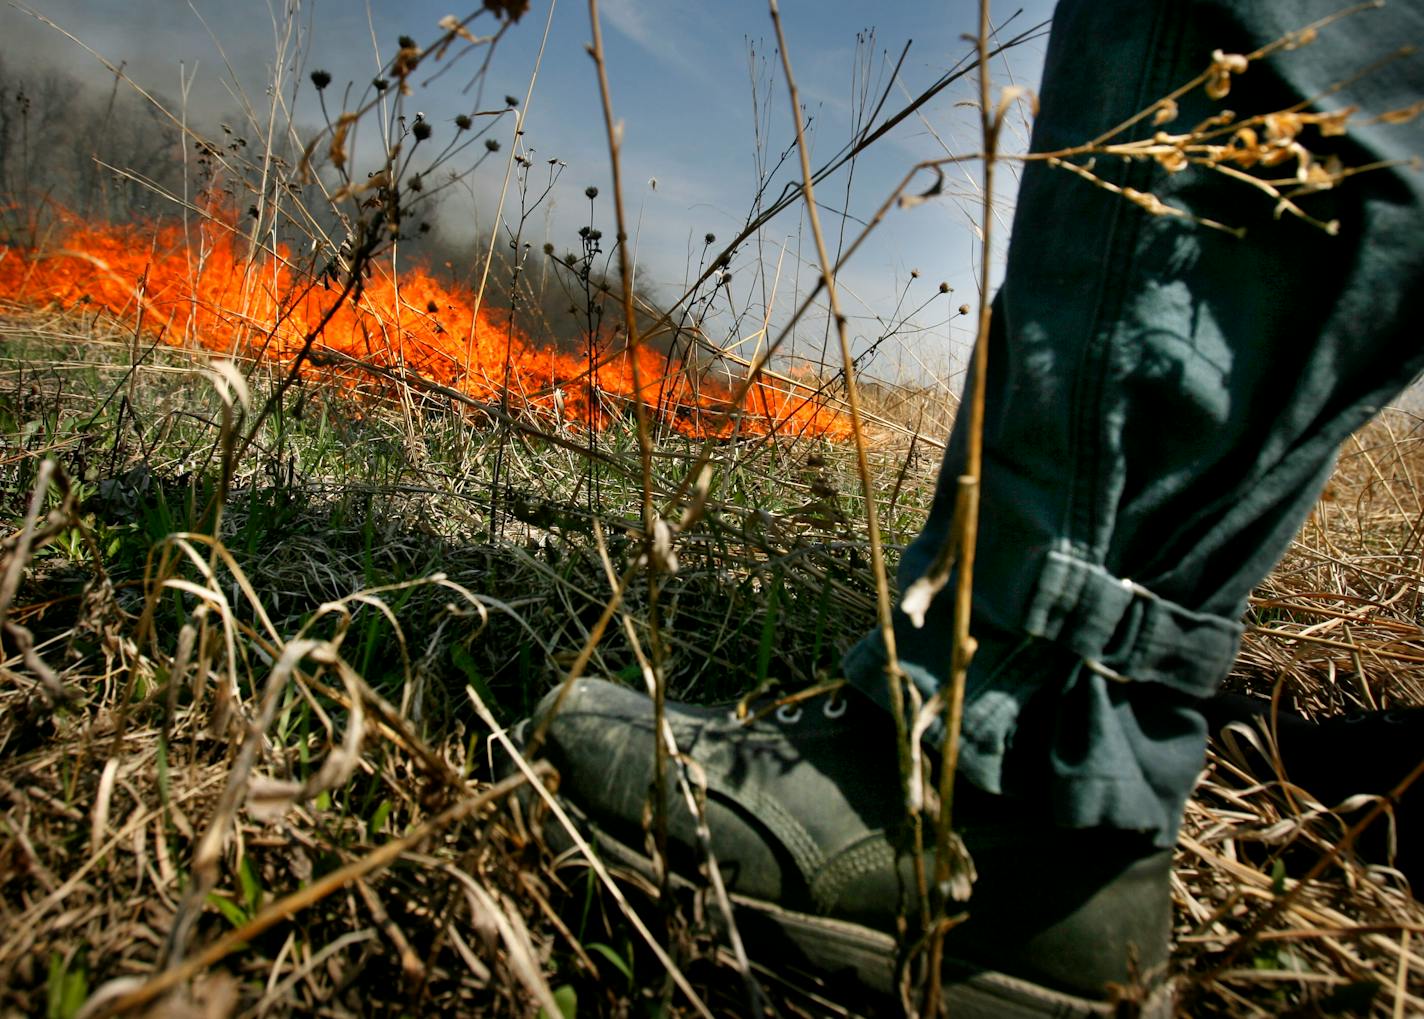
<point>255,662</point>
<point>259,753</point>
<point>199,286</point>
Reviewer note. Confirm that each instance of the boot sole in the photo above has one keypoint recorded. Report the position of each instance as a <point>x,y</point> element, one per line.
<point>845,952</point>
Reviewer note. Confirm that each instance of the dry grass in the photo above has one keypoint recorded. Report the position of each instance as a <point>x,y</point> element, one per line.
<point>257,654</point>
<point>311,823</point>
<point>1334,627</point>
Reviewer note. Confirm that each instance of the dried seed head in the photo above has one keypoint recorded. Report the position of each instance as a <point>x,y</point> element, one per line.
<point>320,79</point>
<point>406,42</point>
<point>492,144</point>
<point>431,307</point>
<point>590,192</point>
<point>944,287</point>
<point>964,309</point>
<point>511,101</point>
<point>380,84</point>
<point>710,239</point>
<point>511,9</point>
<point>914,274</point>
<point>463,122</point>
<point>421,130</point>
<point>548,248</point>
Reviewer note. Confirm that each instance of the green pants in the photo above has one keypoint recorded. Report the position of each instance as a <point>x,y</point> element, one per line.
<point>1165,399</point>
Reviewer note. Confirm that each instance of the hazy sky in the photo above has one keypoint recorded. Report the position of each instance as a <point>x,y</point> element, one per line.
<point>681,75</point>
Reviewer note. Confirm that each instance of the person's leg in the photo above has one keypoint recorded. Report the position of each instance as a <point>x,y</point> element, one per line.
<point>1165,400</point>
<point>1164,404</point>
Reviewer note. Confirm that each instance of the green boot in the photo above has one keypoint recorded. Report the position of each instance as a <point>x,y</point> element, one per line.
<point>806,822</point>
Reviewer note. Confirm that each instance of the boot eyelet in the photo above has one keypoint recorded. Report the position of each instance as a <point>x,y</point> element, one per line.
<point>834,707</point>
<point>789,714</point>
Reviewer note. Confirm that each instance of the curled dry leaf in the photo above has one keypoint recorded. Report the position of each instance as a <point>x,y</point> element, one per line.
<point>1223,66</point>
<point>962,873</point>
<point>1244,149</point>
<point>1281,127</point>
<point>336,152</point>
<point>1167,112</point>
<point>1172,160</point>
<point>910,201</point>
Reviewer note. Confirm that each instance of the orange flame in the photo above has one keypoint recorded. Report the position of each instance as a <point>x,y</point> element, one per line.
<point>210,293</point>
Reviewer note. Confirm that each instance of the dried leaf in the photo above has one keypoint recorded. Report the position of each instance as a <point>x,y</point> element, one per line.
<point>1276,155</point>
<point>1283,126</point>
<point>336,152</point>
<point>1167,111</point>
<point>451,24</point>
<point>1218,76</point>
<point>962,873</point>
<point>1334,124</point>
<point>1319,177</point>
<point>1172,160</point>
<point>1400,116</point>
<point>1244,148</point>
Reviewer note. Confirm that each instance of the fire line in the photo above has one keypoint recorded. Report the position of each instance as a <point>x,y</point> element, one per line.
<point>210,294</point>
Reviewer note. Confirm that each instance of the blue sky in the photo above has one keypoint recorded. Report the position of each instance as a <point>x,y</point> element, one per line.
<point>681,75</point>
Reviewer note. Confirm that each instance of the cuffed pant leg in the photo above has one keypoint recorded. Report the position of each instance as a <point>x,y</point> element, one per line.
<point>1165,399</point>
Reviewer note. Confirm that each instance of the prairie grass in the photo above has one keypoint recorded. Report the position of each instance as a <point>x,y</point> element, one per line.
<point>262,628</point>
<point>381,559</point>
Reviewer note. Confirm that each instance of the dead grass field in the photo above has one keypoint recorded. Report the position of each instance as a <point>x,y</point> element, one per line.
<point>241,771</point>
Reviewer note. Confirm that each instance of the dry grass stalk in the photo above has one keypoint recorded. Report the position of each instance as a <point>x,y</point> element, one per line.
<point>130,828</point>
